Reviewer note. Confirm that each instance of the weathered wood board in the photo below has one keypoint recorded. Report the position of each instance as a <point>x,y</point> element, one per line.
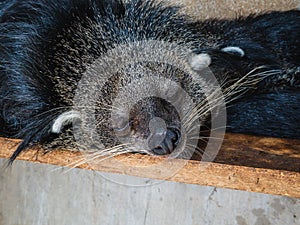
<point>256,164</point>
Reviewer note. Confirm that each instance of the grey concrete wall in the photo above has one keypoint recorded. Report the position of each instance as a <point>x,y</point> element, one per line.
<point>38,194</point>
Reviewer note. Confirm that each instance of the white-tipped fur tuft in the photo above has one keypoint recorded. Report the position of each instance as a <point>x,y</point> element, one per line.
<point>234,50</point>
<point>201,61</point>
<point>63,119</point>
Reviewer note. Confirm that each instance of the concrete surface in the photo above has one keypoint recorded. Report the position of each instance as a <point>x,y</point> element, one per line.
<point>40,194</point>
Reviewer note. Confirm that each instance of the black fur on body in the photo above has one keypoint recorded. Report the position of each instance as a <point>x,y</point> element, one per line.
<point>46,46</point>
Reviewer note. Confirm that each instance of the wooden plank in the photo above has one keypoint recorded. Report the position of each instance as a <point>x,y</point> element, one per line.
<point>256,164</point>
<point>204,9</point>
<point>260,152</point>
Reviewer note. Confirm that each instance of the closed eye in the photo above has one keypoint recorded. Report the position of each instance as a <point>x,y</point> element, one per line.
<point>123,128</point>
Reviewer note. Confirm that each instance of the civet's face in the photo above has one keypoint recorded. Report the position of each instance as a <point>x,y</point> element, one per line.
<point>148,109</point>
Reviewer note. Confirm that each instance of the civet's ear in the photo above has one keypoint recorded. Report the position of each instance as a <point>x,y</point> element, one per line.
<point>200,61</point>
<point>64,119</point>
<point>234,51</point>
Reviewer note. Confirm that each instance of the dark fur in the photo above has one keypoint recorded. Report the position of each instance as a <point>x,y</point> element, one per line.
<point>36,68</point>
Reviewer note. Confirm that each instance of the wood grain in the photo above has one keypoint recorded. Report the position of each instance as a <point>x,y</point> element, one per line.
<point>204,9</point>
<point>248,163</point>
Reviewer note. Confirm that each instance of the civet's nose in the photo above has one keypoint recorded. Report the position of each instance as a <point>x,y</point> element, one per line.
<point>168,141</point>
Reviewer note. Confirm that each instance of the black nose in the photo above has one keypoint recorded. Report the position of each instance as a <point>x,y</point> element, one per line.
<point>169,143</point>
